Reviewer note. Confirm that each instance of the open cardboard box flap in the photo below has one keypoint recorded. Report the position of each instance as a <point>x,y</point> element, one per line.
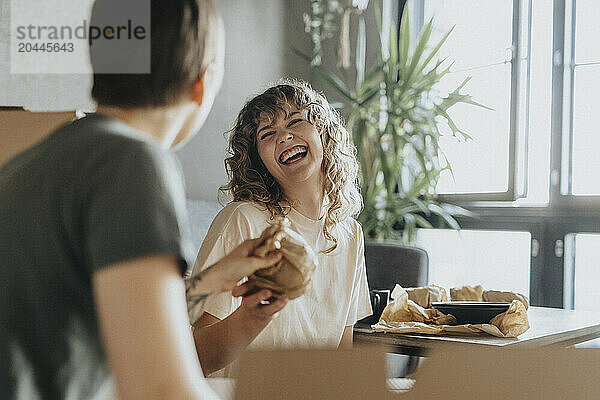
<point>548,373</point>
<point>21,129</point>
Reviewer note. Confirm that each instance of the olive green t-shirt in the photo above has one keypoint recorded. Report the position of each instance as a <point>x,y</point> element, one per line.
<point>92,194</point>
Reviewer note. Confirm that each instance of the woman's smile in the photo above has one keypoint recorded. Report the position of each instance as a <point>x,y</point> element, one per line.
<point>290,148</point>
<point>293,154</point>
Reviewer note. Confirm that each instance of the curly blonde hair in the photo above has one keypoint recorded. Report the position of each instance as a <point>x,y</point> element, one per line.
<point>249,179</point>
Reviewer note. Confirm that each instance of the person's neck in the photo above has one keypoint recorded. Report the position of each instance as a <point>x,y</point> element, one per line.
<point>160,123</point>
<point>307,199</point>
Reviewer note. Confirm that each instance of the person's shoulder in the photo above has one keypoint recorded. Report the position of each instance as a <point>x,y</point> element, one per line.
<point>245,209</point>
<point>351,228</point>
<point>111,141</point>
<point>356,226</point>
<point>100,133</point>
<point>239,214</point>
<point>95,146</point>
<point>355,240</point>
<point>83,140</point>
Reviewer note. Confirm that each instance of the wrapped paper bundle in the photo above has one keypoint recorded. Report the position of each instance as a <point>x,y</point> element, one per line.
<point>495,296</point>
<point>423,296</point>
<point>405,316</point>
<point>476,293</point>
<point>467,293</point>
<point>513,322</point>
<point>292,274</point>
<point>402,309</point>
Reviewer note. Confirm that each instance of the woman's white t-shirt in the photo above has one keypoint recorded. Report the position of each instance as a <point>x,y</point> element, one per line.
<point>337,296</point>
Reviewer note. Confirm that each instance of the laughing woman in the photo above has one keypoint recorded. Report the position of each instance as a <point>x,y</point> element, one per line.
<point>289,155</point>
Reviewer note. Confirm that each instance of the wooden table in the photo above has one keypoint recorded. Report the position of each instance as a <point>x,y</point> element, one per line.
<point>548,327</point>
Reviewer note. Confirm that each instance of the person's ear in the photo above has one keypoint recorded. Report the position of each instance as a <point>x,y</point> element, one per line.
<point>198,89</point>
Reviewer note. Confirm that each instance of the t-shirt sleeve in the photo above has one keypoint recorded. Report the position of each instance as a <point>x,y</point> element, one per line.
<point>223,236</point>
<point>134,205</point>
<point>360,303</point>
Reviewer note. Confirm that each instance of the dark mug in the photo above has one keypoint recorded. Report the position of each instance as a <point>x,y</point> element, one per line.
<point>379,300</point>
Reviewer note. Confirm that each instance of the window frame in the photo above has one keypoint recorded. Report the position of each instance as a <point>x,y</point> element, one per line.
<point>552,277</point>
<point>518,135</point>
<point>561,194</point>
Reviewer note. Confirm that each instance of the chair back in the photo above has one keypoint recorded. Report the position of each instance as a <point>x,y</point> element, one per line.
<point>389,263</point>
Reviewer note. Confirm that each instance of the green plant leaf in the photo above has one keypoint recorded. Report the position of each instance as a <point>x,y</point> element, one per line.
<point>409,228</point>
<point>368,96</point>
<point>422,206</point>
<point>448,219</point>
<point>301,54</point>
<point>422,222</point>
<point>393,56</point>
<point>467,99</point>
<point>453,209</point>
<point>404,39</point>
<point>435,51</point>
<point>361,50</point>
<point>336,83</point>
<point>419,49</point>
<point>373,77</point>
<point>378,21</point>
<point>386,170</point>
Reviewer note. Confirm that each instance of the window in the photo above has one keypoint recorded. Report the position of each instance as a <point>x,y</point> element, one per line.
<point>497,260</point>
<point>486,55</point>
<point>582,271</point>
<point>532,169</point>
<point>581,87</point>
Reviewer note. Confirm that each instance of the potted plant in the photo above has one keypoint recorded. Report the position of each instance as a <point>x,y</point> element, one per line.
<point>395,112</point>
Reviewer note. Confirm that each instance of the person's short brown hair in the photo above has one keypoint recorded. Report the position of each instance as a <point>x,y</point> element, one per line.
<point>184,35</point>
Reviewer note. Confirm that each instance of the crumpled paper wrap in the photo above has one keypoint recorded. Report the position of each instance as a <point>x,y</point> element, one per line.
<point>467,293</point>
<point>495,296</point>
<point>405,316</point>
<point>476,293</point>
<point>292,274</point>
<point>423,296</point>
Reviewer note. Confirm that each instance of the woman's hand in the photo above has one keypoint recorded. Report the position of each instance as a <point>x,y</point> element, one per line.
<point>219,342</point>
<point>224,275</point>
<point>259,307</point>
<point>239,264</point>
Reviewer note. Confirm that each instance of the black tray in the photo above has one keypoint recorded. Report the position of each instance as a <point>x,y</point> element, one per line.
<point>471,312</point>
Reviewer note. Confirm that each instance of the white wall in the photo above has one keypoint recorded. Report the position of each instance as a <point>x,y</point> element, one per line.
<point>260,36</point>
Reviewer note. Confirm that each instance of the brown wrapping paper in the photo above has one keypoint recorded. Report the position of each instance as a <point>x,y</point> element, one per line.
<point>423,296</point>
<point>292,274</point>
<point>495,296</point>
<point>467,293</point>
<point>476,293</point>
<point>405,316</point>
<point>402,309</point>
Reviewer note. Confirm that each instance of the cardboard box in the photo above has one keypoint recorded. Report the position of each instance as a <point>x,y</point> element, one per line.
<point>491,374</point>
<point>21,129</point>
<point>312,374</point>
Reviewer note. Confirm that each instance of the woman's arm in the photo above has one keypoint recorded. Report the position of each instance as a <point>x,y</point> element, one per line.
<point>219,342</point>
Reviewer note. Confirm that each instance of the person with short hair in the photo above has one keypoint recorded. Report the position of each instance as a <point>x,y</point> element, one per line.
<point>93,236</point>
